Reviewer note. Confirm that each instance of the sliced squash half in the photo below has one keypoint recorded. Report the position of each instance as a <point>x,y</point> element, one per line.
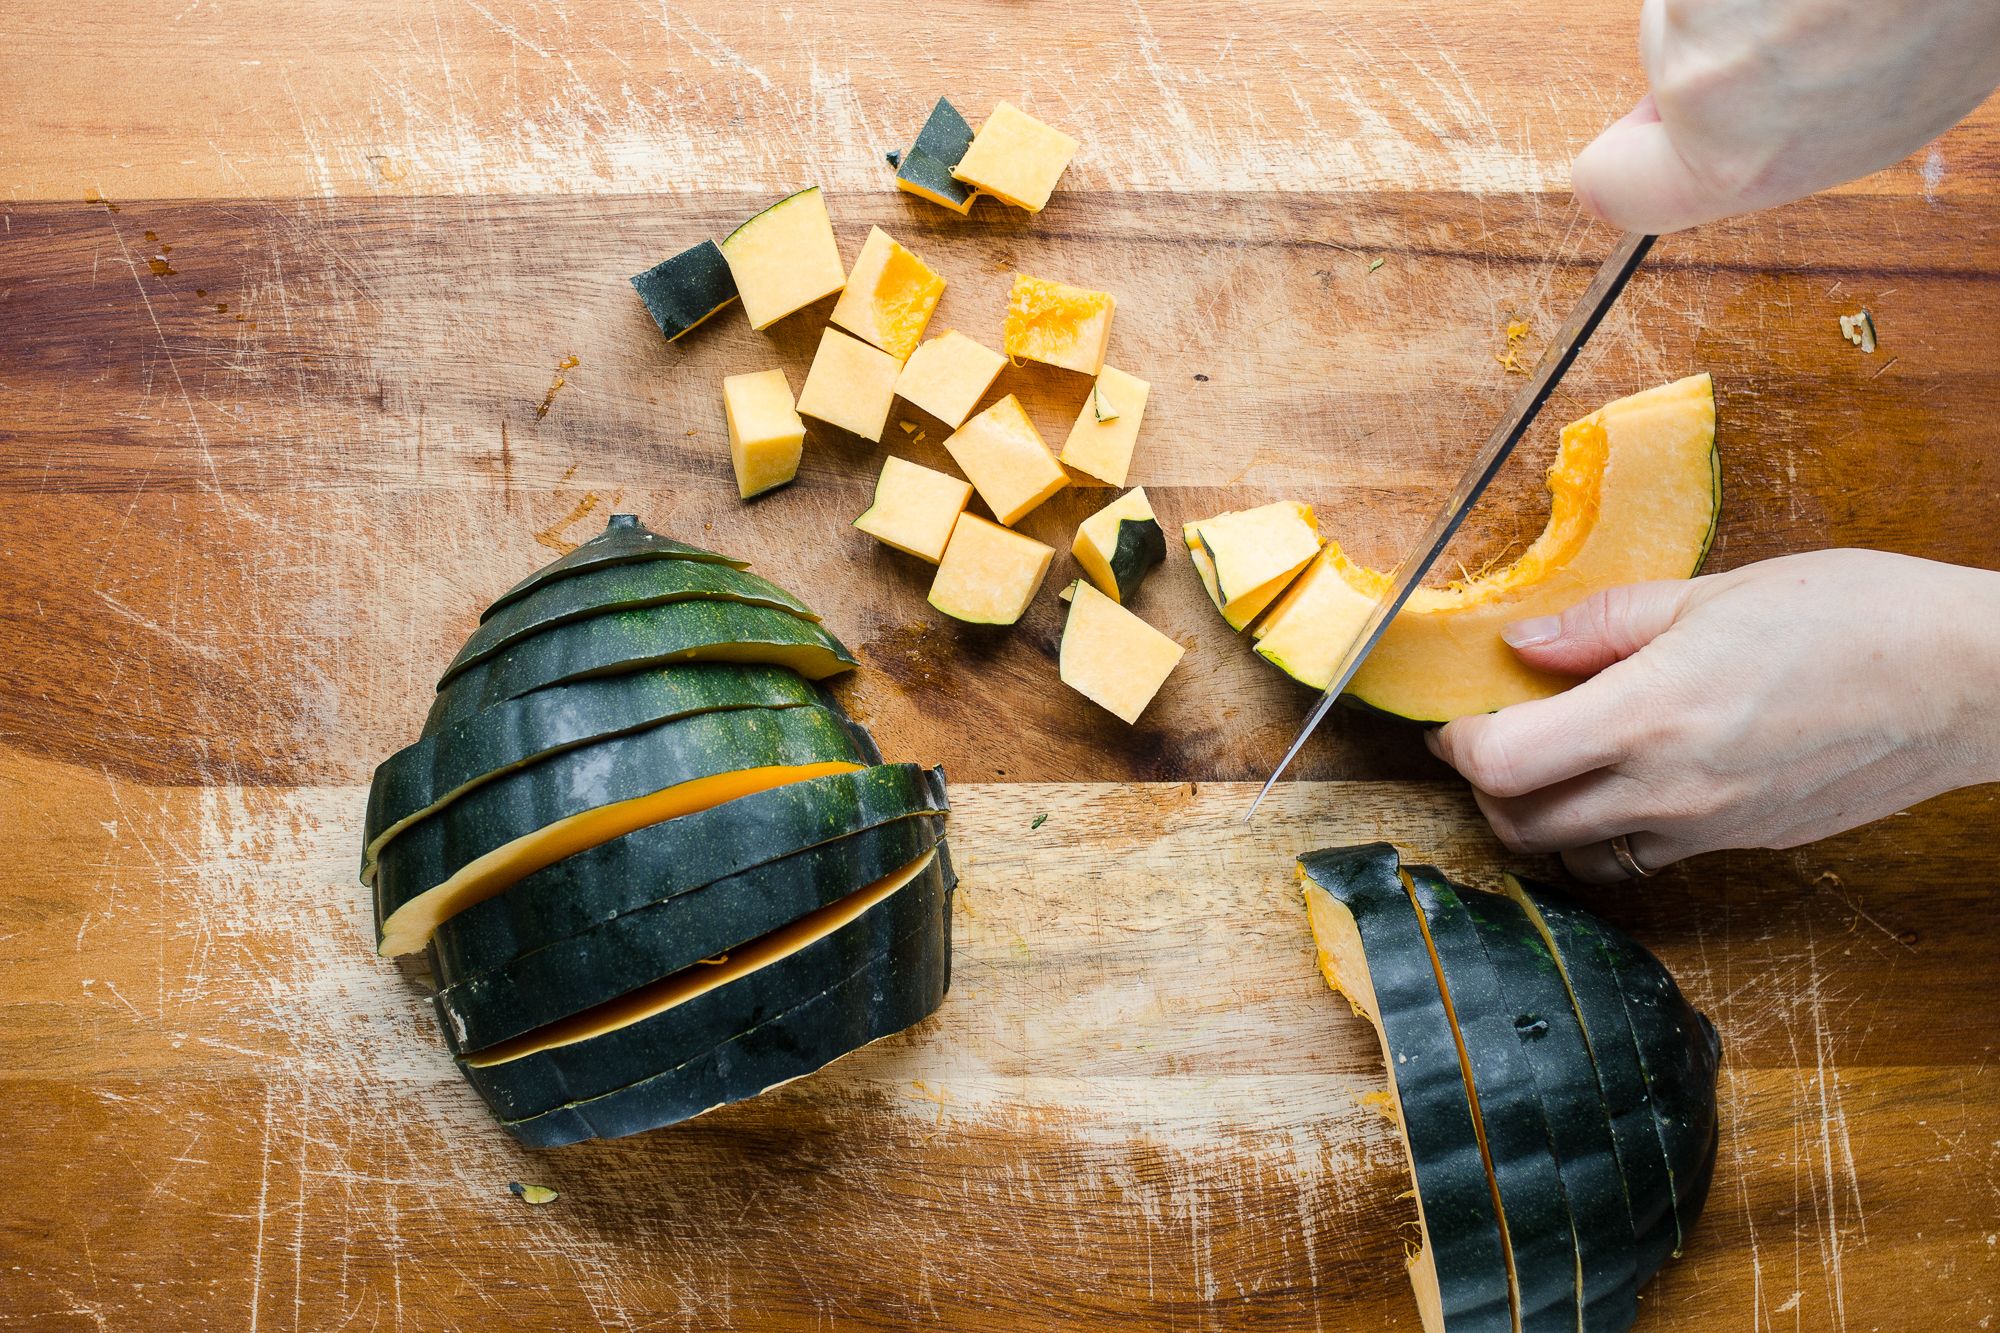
<point>1636,487</point>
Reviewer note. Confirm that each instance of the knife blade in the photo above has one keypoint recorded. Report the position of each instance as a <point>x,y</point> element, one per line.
<point>1583,320</point>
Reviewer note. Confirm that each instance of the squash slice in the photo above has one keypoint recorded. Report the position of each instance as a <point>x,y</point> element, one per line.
<point>683,292</point>
<point>624,541</point>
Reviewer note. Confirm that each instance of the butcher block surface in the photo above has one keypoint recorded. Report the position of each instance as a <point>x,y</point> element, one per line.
<point>315,336</point>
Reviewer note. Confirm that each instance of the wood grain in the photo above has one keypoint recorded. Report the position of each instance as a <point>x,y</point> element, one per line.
<point>281,291</point>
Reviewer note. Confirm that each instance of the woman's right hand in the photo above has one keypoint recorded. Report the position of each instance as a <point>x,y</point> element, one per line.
<point>1760,102</point>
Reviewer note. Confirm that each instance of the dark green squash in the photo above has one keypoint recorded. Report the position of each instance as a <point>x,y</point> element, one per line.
<point>1455,1195</point>
<point>625,540</point>
<point>681,292</point>
<point>1552,1043</point>
<point>1534,1210</point>
<point>421,778</point>
<point>925,169</point>
<point>661,860</point>
<point>621,641</point>
<point>678,931</point>
<point>1614,1053</point>
<point>436,854</point>
<point>887,994</point>
<point>630,1040</point>
<point>1141,547</point>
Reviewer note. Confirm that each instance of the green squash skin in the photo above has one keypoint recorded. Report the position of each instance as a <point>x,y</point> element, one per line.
<point>1552,1043</point>
<point>615,642</point>
<point>1614,1051</point>
<point>1534,1208</point>
<point>489,744</point>
<point>1141,546</point>
<point>682,292</point>
<point>940,146</point>
<point>619,588</point>
<point>889,993</point>
<point>534,1084</point>
<point>431,850</point>
<point>661,860</point>
<point>1450,1174</point>
<point>641,946</point>
<point>625,540</point>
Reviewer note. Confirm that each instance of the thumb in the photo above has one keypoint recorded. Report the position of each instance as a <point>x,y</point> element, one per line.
<point>1601,629</point>
<point>1633,177</point>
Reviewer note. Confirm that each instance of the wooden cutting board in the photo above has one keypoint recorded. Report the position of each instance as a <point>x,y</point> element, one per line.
<point>315,335</point>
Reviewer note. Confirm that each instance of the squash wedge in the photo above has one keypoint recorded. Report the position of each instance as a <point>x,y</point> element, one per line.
<point>624,541</point>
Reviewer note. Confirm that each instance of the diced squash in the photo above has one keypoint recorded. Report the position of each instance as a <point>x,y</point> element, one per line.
<point>1111,657</point>
<point>766,436</point>
<point>850,385</point>
<point>1057,325</point>
<point>1245,610</point>
<point>1101,441</point>
<point>925,168</point>
<point>1120,544</point>
<point>915,508</point>
<point>889,296</point>
<point>989,574</point>
<point>948,375</point>
<point>1253,554</point>
<point>785,258</point>
<point>1016,158</point>
<point>683,291</point>
<point>1010,467</point>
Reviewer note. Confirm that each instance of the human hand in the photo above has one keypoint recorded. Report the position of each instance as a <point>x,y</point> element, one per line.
<point>1759,102</point>
<point>1765,707</point>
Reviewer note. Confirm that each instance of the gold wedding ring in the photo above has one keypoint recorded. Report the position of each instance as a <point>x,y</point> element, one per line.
<point>1621,852</point>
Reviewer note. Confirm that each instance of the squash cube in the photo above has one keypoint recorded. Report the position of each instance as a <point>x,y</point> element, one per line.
<point>850,385</point>
<point>925,168</point>
<point>766,436</point>
<point>948,375</point>
<point>1101,441</point>
<point>785,258</point>
<point>889,296</point>
<point>1010,467</point>
<point>1120,544</point>
<point>1057,325</point>
<point>1111,657</point>
<point>1015,158</point>
<point>915,508</point>
<point>988,574</point>
<point>685,290</point>
<point>1252,555</point>
<point>1313,625</point>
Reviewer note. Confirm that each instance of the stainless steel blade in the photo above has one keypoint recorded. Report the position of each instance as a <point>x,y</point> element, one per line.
<point>1590,309</point>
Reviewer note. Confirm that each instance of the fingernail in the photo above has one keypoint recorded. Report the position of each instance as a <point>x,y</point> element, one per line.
<point>1532,633</point>
<point>1431,741</point>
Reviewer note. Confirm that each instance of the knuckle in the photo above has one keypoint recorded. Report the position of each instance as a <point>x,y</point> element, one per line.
<point>1489,763</point>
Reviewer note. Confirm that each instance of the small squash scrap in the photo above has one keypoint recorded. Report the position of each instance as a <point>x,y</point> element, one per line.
<point>766,436</point>
<point>851,385</point>
<point>1057,325</point>
<point>1003,454</point>
<point>1246,558</point>
<point>948,375</point>
<point>915,508</point>
<point>785,258</point>
<point>988,574</point>
<point>889,296</point>
<point>925,169</point>
<point>1016,158</point>
<point>1100,443</point>
<point>1120,544</point>
<point>685,290</point>
<point>1111,657</point>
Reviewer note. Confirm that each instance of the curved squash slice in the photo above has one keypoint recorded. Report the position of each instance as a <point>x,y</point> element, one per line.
<point>889,296</point>
<point>1636,489</point>
<point>1371,949</point>
<point>624,541</point>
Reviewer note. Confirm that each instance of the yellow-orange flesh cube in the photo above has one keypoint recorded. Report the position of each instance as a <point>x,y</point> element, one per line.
<point>915,508</point>
<point>785,258</point>
<point>1100,443</point>
<point>850,385</point>
<point>1256,552</point>
<point>1016,158</point>
<point>989,574</point>
<point>766,436</point>
<point>1111,657</point>
<point>948,375</point>
<point>1057,325</point>
<point>1010,467</point>
<point>889,296</point>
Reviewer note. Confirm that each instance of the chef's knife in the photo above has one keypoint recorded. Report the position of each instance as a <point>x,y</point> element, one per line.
<point>1576,330</point>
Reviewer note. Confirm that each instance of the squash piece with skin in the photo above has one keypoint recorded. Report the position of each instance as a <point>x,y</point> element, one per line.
<point>948,375</point>
<point>1057,325</point>
<point>850,385</point>
<point>925,167</point>
<point>889,296</point>
<point>1100,443</point>
<point>766,437</point>
<point>624,541</point>
<point>682,292</point>
<point>1003,455</point>
<point>1253,554</point>
<point>1111,657</point>
<point>1371,949</point>
<point>989,574</point>
<point>785,258</point>
<point>1120,544</point>
<point>1016,158</point>
<point>915,508</point>
<point>1636,493</point>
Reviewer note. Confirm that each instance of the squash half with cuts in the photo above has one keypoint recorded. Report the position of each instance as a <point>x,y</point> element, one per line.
<point>1636,489</point>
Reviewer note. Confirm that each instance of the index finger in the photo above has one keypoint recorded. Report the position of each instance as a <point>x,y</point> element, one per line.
<point>1528,746</point>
